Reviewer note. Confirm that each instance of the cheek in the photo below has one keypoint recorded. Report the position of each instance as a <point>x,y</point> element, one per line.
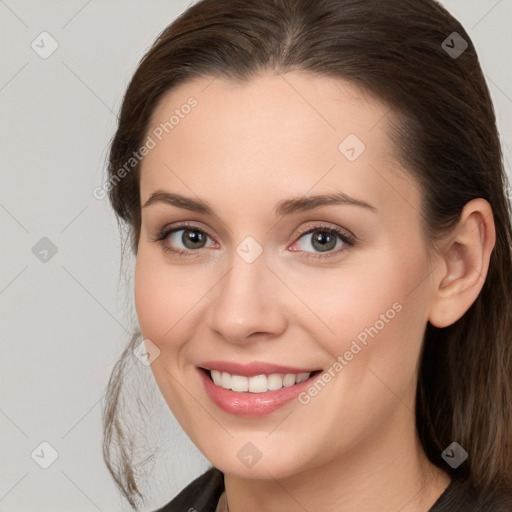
<point>157,301</point>
<point>376,312</point>
<point>169,299</point>
<point>344,303</point>
<point>161,310</point>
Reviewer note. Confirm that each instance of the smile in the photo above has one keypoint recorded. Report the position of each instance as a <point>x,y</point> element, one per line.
<point>258,383</point>
<point>255,389</point>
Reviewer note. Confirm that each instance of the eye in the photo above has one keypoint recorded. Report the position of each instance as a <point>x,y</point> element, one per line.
<point>324,240</point>
<point>186,239</point>
<point>182,239</point>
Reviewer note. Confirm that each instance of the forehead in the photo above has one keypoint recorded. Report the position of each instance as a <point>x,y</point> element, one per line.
<point>283,134</point>
<point>275,108</point>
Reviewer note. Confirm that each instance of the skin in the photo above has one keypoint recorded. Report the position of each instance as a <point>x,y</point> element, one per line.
<point>243,149</point>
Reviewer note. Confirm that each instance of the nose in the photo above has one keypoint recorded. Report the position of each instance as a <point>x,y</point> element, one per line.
<point>246,305</point>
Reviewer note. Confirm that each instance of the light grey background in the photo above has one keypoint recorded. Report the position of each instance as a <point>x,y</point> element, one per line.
<point>65,321</point>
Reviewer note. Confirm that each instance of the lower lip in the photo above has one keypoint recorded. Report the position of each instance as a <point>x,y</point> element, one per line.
<point>252,404</point>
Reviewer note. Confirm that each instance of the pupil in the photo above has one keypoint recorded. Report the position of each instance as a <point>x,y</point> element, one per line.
<point>325,239</point>
<point>192,239</point>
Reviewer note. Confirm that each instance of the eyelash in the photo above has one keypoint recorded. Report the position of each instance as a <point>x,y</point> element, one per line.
<point>348,240</point>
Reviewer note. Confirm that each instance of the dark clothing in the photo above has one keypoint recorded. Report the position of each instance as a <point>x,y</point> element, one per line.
<point>202,495</point>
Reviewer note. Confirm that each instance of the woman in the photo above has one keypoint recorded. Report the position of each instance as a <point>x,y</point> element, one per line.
<point>315,196</point>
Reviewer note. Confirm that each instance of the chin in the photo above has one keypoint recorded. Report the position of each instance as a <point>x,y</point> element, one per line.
<point>249,462</point>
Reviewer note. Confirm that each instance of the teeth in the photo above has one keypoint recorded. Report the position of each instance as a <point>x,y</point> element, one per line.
<point>258,383</point>
<point>302,377</point>
<point>289,380</point>
<point>239,383</point>
<point>216,376</point>
<point>226,380</point>
<point>275,381</point>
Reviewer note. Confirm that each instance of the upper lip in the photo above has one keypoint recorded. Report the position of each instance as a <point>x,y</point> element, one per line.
<point>252,369</point>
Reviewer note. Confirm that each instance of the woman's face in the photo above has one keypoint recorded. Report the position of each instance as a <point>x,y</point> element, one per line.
<point>259,282</point>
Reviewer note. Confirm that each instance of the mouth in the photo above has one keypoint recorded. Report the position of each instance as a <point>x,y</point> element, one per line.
<point>258,383</point>
<point>259,393</point>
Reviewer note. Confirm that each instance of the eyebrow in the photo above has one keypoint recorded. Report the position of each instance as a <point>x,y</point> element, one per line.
<point>284,207</point>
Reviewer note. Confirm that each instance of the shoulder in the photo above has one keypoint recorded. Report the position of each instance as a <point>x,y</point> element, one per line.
<point>201,495</point>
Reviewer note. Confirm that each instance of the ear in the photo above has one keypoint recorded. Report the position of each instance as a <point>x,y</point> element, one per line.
<point>463,264</point>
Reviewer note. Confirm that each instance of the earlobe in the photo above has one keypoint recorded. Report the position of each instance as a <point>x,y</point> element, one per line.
<point>464,263</point>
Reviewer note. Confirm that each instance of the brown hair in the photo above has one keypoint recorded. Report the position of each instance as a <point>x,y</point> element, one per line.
<point>444,129</point>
